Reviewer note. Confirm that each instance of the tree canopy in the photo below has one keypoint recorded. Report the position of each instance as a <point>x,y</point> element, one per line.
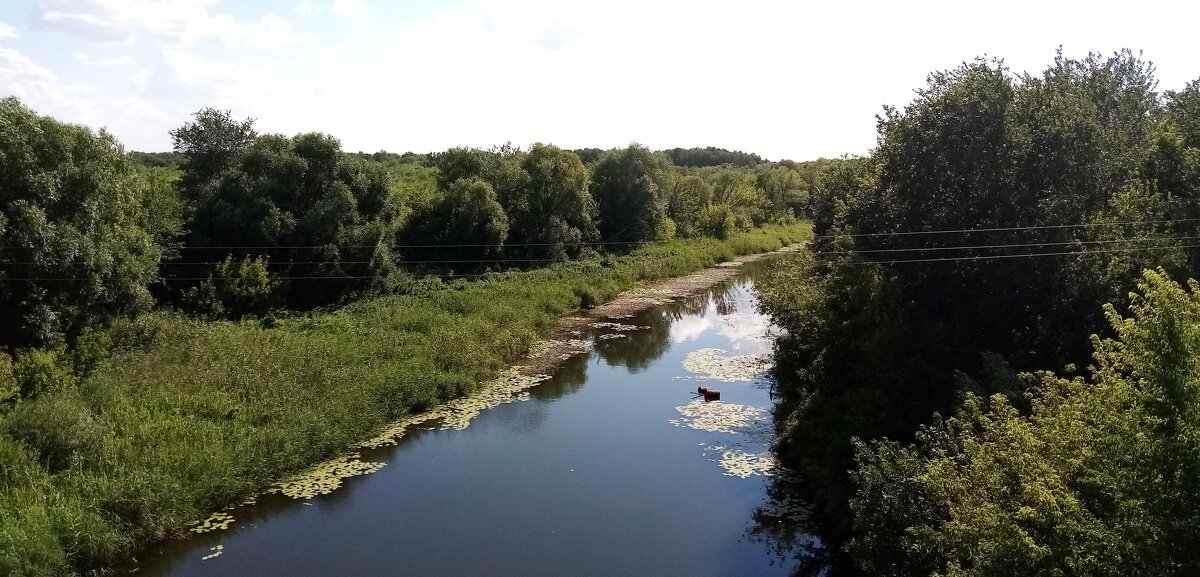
<point>997,215</point>
<point>80,233</point>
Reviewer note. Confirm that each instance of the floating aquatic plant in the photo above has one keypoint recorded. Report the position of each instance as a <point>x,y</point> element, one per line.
<point>621,327</point>
<point>612,336</point>
<point>326,477</point>
<point>565,348</point>
<point>744,464</point>
<point>216,552</point>
<point>721,417</point>
<point>786,507</point>
<point>456,414</point>
<point>215,522</point>
<point>717,365</point>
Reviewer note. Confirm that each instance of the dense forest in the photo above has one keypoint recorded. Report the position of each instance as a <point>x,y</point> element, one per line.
<point>182,329</point>
<point>991,366</point>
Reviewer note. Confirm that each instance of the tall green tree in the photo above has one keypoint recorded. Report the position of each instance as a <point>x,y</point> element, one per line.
<point>466,226</point>
<point>80,232</point>
<point>1099,476</point>
<point>317,215</point>
<point>990,223</point>
<point>630,187</point>
<point>211,143</point>
<point>687,198</point>
<point>551,212</point>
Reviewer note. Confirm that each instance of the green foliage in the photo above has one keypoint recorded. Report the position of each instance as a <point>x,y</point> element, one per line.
<point>42,371</point>
<point>690,195</point>
<point>544,193</point>
<point>157,159</point>
<point>89,351</point>
<point>10,388</point>
<point>1099,478</point>
<point>234,290</point>
<point>327,218</point>
<point>711,156</point>
<point>629,186</point>
<point>666,230</point>
<point>197,415</point>
<point>785,187</point>
<point>465,223</point>
<point>875,344</point>
<point>210,144</point>
<point>553,207</point>
<point>80,235</point>
<point>716,221</point>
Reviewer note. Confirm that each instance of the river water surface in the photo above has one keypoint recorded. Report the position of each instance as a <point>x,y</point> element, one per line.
<point>608,468</point>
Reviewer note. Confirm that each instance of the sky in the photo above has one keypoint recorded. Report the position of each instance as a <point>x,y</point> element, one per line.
<point>784,79</point>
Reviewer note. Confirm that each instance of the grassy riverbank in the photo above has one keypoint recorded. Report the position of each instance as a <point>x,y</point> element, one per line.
<point>195,415</point>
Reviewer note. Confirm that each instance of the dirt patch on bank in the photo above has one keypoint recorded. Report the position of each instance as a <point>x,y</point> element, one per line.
<point>563,341</point>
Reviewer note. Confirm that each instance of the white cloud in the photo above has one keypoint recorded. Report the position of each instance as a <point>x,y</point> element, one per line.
<point>349,8</point>
<point>20,76</point>
<point>172,22</point>
<point>690,328</point>
<point>306,9</point>
<point>7,31</point>
<point>41,89</point>
<point>782,79</point>
<point>88,60</point>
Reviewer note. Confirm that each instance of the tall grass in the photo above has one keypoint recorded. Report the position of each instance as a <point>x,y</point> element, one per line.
<point>190,416</point>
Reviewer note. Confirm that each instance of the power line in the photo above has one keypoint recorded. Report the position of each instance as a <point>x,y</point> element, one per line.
<point>1008,228</point>
<point>1028,255</point>
<point>640,242</point>
<point>1003,246</point>
<point>319,262</point>
<point>887,262</point>
<point>378,245</point>
<point>282,263</point>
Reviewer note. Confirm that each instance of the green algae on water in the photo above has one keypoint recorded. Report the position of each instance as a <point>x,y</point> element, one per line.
<point>326,477</point>
<point>744,464</point>
<point>620,327</point>
<point>457,414</point>
<point>215,522</point>
<point>717,365</point>
<point>721,417</point>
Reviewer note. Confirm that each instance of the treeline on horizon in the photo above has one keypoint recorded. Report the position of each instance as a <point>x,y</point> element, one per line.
<point>685,157</point>
<point>960,405</point>
<point>233,223</point>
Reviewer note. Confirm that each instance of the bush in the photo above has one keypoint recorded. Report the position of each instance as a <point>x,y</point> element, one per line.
<point>234,290</point>
<point>59,431</point>
<point>41,371</point>
<point>717,221</point>
<point>10,389</point>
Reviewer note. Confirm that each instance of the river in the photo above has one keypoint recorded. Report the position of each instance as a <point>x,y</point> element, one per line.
<point>610,467</point>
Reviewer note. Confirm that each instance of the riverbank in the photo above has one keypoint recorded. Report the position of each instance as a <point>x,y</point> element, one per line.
<point>193,416</point>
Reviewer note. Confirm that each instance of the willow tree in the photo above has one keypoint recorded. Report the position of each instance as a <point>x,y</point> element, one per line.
<point>78,245</point>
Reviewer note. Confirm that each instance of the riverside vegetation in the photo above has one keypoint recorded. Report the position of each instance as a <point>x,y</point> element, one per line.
<point>988,369</point>
<point>181,330</point>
